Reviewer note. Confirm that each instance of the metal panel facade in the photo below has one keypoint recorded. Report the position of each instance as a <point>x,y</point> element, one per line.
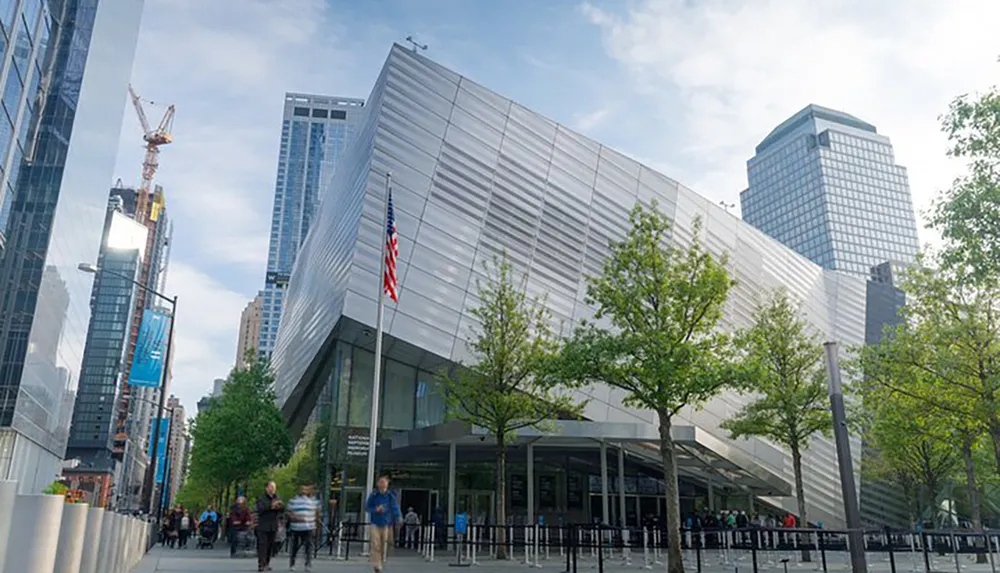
<point>475,174</point>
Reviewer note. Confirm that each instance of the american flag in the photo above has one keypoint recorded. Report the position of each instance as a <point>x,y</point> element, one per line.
<point>389,282</point>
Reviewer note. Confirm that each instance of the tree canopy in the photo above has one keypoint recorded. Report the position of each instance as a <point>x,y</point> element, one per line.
<point>508,386</point>
<point>656,337</point>
<point>784,364</point>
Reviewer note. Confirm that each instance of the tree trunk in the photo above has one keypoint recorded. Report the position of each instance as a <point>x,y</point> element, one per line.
<point>970,485</point>
<point>800,497</point>
<point>675,562</point>
<point>501,501</point>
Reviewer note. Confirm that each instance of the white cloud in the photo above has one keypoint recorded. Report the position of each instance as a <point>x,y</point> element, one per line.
<point>736,69</point>
<point>205,333</point>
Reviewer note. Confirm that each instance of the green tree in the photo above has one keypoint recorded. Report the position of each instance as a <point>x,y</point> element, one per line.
<point>506,389</point>
<point>303,468</point>
<point>785,366</point>
<point>968,214</point>
<point>242,434</point>
<point>912,447</point>
<point>662,305</point>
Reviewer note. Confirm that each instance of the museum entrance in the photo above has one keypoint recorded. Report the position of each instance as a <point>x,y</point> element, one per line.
<point>479,504</point>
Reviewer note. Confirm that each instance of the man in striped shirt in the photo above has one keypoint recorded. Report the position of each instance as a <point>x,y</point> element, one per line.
<point>303,512</point>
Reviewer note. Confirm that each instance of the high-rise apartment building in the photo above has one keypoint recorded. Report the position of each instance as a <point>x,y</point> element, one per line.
<point>314,133</point>
<point>178,449</point>
<point>249,335</point>
<point>65,73</point>
<point>826,184</point>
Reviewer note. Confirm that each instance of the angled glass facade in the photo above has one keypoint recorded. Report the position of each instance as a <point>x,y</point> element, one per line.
<point>56,221</point>
<point>314,133</point>
<point>826,184</point>
<point>474,175</point>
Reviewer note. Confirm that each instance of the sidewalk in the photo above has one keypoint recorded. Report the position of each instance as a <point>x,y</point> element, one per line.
<point>160,560</point>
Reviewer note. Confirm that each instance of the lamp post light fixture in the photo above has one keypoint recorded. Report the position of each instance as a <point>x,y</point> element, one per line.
<point>147,483</point>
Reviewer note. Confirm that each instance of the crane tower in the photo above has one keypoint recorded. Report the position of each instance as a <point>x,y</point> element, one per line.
<point>154,138</point>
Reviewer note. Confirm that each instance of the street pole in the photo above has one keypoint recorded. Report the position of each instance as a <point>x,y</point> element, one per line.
<point>150,477</point>
<point>855,533</point>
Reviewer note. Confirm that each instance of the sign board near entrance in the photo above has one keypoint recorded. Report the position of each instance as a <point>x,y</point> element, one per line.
<point>461,523</point>
<point>357,445</point>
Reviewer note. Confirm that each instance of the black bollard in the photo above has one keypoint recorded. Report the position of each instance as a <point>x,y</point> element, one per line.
<point>822,549</point>
<point>927,557</point>
<point>754,539</point>
<point>892,556</point>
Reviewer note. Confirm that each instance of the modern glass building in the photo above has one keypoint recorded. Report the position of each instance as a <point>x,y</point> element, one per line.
<point>826,184</point>
<point>474,175</point>
<point>314,133</point>
<point>92,434</point>
<point>57,210</point>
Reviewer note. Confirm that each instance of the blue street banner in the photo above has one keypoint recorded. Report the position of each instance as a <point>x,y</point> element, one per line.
<point>161,448</point>
<point>150,347</point>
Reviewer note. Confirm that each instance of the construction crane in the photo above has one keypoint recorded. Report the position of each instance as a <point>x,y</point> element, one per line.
<point>154,138</point>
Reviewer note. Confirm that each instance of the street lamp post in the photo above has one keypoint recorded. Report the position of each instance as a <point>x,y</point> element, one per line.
<point>147,483</point>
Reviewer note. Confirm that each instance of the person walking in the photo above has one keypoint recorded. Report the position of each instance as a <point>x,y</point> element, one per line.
<point>240,520</point>
<point>184,530</point>
<point>383,516</point>
<point>269,509</point>
<point>303,514</point>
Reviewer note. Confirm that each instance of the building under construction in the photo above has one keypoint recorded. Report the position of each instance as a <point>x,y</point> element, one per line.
<point>111,419</point>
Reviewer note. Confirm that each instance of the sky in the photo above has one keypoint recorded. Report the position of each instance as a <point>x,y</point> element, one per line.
<point>688,87</point>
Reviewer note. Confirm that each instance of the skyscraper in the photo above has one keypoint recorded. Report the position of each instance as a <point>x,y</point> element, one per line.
<point>66,70</point>
<point>178,439</point>
<point>314,133</point>
<point>111,418</point>
<point>92,434</point>
<point>826,184</point>
<point>249,334</point>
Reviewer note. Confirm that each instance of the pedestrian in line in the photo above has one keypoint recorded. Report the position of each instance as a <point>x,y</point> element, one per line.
<point>269,509</point>
<point>303,514</point>
<point>411,523</point>
<point>383,516</point>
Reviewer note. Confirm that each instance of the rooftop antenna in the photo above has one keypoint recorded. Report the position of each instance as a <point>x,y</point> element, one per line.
<point>727,206</point>
<point>416,45</point>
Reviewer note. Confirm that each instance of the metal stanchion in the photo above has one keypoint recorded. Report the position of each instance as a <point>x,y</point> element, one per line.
<point>656,546</point>
<point>548,545</point>
<point>430,557</point>
<point>71,536</point>
<point>33,544</point>
<point>646,563</point>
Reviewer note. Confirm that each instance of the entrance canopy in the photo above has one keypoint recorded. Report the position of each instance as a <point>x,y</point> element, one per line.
<point>700,456</point>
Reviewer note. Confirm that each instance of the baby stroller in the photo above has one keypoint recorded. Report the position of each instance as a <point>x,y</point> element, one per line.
<point>243,544</point>
<point>207,532</point>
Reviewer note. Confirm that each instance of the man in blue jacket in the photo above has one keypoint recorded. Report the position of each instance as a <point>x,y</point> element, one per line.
<point>383,515</point>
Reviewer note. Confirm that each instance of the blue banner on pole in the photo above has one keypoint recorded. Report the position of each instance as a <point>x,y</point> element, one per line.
<point>161,448</point>
<point>150,347</point>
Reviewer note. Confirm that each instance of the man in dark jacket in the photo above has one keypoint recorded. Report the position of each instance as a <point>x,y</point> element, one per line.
<point>269,509</point>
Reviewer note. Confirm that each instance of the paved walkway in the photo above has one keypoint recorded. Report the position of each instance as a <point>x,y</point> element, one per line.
<point>192,560</point>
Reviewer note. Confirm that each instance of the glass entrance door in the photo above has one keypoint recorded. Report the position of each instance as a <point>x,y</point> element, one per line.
<point>479,504</point>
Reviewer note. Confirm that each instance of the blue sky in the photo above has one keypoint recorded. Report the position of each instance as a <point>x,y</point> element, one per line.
<point>688,87</point>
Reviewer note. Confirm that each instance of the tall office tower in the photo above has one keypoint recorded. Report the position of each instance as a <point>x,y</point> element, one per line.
<point>178,437</point>
<point>217,385</point>
<point>65,75</point>
<point>92,433</point>
<point>137,405</point>
<point>314,133</point>
<point>249,330</point>
<point>826,184</point>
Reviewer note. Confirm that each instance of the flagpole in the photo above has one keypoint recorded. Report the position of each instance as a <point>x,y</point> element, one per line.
<point>376,378</point>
